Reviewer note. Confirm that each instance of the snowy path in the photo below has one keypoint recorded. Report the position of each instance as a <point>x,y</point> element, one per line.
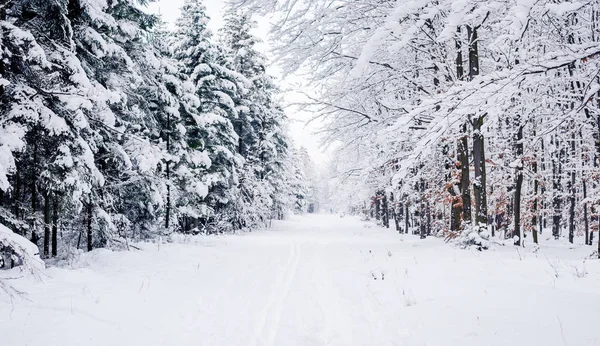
<point>316,280</point>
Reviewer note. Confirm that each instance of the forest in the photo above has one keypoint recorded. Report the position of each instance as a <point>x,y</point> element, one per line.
<point>466,119</point>
<point>159,183</point>
<point>114,129</point>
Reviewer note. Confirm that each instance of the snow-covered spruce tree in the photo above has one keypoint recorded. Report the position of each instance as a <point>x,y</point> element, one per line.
<point>209,130</point>
<point>263,191</point>
<point>47,162</point>
<point>93,155</point>
<point>184,166</point>
<point>239,47</point>
<point>112,40</point>
<point>166,98</point>
<point>297,182</point>
<point>106,136</point>
<point>176,103</point>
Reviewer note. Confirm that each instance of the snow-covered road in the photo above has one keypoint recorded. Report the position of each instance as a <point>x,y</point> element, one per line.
<point>314,280</point>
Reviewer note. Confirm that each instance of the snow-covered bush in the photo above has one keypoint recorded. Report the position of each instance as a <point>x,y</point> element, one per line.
<point>473,236</point>
<point>16,250</point>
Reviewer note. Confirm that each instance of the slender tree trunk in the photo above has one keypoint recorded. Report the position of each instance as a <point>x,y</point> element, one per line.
<point>406,215</point>
<point>519,184</point>
<point>595,20</point>
<point>572,191</point>
<point>479,185</point>
<point>47,224</point>
<point>534,211</point>
<point>473,51</point>
<point>386,213</point>
<point>241,138</point>
<point>17,191</point>
<point>422,223</point>
<point>534,218</point>
<point>462,145</point>
<point>89,225</point>
<point>168,206</point>
<point>585,215</point>
<point>34,199</point>
<point>428,218</point>
<point>463,156</point>
<point>542,224</point>
<point>377,206</point>
<point>395,213</point>
<point>557,191</point>
<point>460,71</point>
<point>2,67</point>
<point>584,159</point>
<point>55,225</point>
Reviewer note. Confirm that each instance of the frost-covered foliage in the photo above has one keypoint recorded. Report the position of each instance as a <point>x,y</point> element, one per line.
<point>462,112</point>
<point>18,251</point>
<point>215,87</point>
<point>113,128</point>
<point>269,184</point>
<point>476,236</point>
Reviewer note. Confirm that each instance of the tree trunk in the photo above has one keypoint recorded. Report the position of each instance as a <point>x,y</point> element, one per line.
<point>542,204</point>
<point>377,206</point>
<point>536,184</point>
<point>89,225</point>
<point>572,191</point>
<point>460,71</point>
<point>473,52</point>
<point>395,213</point>
<point>462,150</point>
<point>479,185</point>
<point>47,224</point>
<point>2,67</point>
<point>34,206</point>
<point>452,189</point>
<point>557,191</point>
<point>17,191</point>
<point>519,184</point>
<point>534,218</point>
<point>428,218</point>
<point>422,223</point>
<point>463,156</point>
<point>406,215</point>
<point>386,213</point>
<point>55,226</point>
<point>168,206</point>
<point>585,215</point>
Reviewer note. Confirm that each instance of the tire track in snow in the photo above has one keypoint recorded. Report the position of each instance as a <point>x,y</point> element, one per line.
<point>271,317</point>
<point>336,316</point>
<point>258,335</point>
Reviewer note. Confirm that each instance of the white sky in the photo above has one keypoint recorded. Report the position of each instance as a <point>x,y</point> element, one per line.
<point>302,134</point>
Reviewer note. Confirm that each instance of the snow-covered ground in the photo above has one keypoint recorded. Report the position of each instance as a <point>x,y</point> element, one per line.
<point>314,280</point>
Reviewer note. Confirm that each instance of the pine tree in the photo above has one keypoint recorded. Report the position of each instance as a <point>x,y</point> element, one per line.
<point>45,100</point>
<point>113,45</point>
<point>107,134</point>
<point>209,129</point>
<point>262,140</point>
